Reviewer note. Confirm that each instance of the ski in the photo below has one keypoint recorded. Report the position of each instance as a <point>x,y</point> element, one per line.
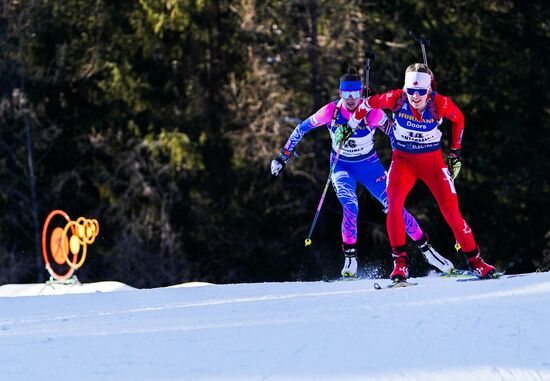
<point>474,277</point>
<point>398,284</point>
<point>455,273</point>
<point>341,279</point>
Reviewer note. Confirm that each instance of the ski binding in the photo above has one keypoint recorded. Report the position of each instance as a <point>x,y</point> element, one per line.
<point>475,277</point>
<point>396,284</point>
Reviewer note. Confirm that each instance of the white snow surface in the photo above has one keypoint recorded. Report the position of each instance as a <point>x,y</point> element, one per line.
<point>439,330</point>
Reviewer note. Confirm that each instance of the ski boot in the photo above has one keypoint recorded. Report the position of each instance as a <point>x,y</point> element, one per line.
<point>477,264</point>
<point>350,264</point>
<point>400,264</point>
<point>433,257</point>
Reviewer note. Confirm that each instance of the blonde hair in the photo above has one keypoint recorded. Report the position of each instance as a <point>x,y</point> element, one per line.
<point>421,68</point>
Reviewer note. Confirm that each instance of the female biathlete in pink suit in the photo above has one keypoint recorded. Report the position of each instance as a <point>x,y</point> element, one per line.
<point>358,162</point>
<point>416,139</point>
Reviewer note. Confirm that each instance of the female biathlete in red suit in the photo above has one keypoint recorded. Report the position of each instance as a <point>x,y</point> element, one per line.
<point>418,112</point>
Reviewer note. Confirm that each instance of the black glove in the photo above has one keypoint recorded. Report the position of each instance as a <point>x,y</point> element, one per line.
<point>279,163</point>
<point>454,163</point>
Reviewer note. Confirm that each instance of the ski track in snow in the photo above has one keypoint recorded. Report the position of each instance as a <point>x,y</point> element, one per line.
<point>440,329</point>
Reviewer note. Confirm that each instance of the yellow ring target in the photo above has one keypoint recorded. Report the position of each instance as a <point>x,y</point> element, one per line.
<point>64,245</point>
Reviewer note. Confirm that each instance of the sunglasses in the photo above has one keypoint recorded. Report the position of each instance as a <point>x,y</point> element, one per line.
<point>354,94</point>
<point>420,92</point>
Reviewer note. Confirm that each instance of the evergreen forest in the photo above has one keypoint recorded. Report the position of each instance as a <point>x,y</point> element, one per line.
<point>160,118</point>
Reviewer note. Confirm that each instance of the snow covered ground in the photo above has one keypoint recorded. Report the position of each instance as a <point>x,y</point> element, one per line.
<point>438,330</point>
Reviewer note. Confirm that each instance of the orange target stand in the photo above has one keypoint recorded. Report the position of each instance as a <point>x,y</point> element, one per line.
<point>67,246</point>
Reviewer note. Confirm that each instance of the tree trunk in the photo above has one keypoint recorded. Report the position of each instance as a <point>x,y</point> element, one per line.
<point>314,56</point>
<point>32,185</point>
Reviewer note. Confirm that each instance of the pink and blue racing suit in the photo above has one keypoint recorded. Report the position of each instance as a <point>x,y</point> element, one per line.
<point>358,161</point>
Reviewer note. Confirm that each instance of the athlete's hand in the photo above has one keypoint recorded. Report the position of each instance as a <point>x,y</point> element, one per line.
<point>279,163</point>
<point>454,163</point>
<point>342,134</point>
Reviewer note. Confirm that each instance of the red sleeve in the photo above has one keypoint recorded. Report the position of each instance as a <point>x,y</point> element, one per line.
<point>386,100</point>
<point>379,101</point>
<point>446,108</point>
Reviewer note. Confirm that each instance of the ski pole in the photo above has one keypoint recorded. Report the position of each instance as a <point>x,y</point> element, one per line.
<point>424,42</point>
<point>308,239</point>
<point>369,55</point>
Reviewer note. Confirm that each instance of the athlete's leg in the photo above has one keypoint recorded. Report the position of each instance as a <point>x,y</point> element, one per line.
<point>345,186</point>
<point>411,226</point>
<point>435,174</point>
<point>401,179</point>
<point>373,176</point>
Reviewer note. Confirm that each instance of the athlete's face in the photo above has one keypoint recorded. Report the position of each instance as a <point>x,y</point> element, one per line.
<point>418,98</point>
<point>351,99</point>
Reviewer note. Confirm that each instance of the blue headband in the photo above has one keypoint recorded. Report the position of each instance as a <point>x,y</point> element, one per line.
<point>350,85</point>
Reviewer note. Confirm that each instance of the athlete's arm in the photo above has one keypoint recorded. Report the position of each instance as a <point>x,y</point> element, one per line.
<point>380,101</point>
<point>321,117</point>
<point>446,108</point>
<point>386,100</point>
<point>376,118</point>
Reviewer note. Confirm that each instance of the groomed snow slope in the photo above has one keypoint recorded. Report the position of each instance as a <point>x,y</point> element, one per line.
<point>438,330</point>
